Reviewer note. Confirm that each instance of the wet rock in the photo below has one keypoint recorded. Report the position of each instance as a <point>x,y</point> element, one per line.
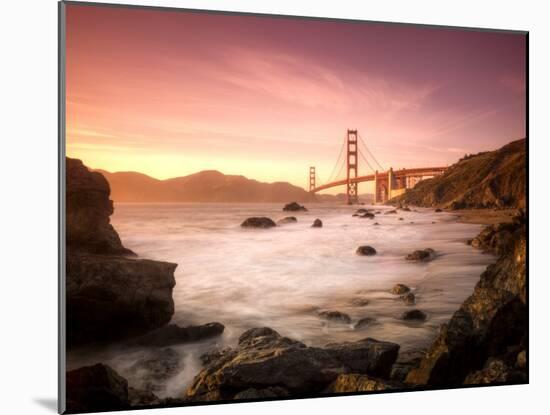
<point>96,388</point>
<point>361,211</point>
<point>111,297</point>
<point>365,250</point>
<point>495,371</point>
<point>400,289</point>
<point>288,219</point>
<point>416,315</point>
<point>359,302</point>
<point>266,393</point>
<point>258,222</point>
<point>294,207</point>
<point>364,322</point>
<point>317,223</point>
<point>155,368</point>
<point>438,210</point>
<point>335,316</point>
<point>421,255</point>
<point>492,321</point>
<point>265,359</point>
<point>390,212</point>
<point>409,298</point>
<point>366,356</point>
<point>359,383</point>
<point>173,334</point>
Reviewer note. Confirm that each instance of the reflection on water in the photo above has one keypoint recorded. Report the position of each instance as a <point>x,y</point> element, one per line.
<point>282,277</point>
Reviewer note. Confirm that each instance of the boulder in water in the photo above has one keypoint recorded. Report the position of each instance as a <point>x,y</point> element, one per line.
<point>288,219</point>
<point>294,207</point>
<point>335,316</point>
<point>400,289</point>
<point>421,255</point>
<point>365,250</point>
<point>415,314</point>
<point>317,223</point>
<point>258,222</point>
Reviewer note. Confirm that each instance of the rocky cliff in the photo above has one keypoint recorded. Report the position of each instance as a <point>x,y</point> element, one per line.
<point>109,295</point>
<point>485,180</point>
<point>485,342</point>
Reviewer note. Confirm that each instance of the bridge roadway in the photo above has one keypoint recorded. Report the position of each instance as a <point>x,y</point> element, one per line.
<point>398,174</point>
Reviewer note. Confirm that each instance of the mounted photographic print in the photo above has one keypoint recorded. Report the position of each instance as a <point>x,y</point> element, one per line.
<point>261,207</point>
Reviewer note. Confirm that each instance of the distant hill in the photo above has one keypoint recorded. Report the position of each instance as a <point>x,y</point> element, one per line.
<point>489,179</point>
<point>205,186</point>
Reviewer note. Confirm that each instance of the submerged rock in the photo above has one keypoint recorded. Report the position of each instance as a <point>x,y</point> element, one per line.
<point>173,334</point>
<point>294,207</point>
<point>364,322</point>
<point>399,289</point>
<point>417,315</point>
<point>365,250</point>
<point>317,223</point>
<point>421,255</point>
<point>155,368</point>
<point>288,219</point>
<point>359,302</point>
<point>258,222</point>
<point>409,298</point>
<point>336,316</point>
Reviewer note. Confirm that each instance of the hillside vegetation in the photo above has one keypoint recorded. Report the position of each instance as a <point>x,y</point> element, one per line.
<point>492,179</point>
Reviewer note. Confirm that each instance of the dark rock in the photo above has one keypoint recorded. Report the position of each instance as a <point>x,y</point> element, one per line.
<point>414,315</point>
<point>367,356</point>
<point>521,360</point>
<point>266,393</point>
<point>365,250</point>
<point>258,222</point>
<point>491,322</point>
<point>409,298</point>
<point>400,218</point>
<point>155,368</point>
<point>361,211</point>
<point>294,207</point>
<point>359,302</point>
<point>364,322</point>
<point>96,388</point>
<point>359,383</point>
<point>495,371</point>
<point>108,296</point>
<point>399,289</point>
<point>112,297</point>
<point>335,316</point>
<point>288,219</point>
<point>140,397</point>
<point>265,359</point>
<point>173,334</point>
<point>317,223</point>
<point>421,255</point>
<point>406,209</point>
<point>438,210</point>
<point>390,212</point>
<point>88,211</point>
<point>376,223</point>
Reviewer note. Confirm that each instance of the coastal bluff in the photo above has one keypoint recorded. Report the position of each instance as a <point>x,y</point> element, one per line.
<point>110,293</point>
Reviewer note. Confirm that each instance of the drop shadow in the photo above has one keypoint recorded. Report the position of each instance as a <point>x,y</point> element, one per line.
<point>48,403</point>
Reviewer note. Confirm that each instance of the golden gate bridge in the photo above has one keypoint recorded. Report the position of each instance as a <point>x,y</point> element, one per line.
<point>387,183</point>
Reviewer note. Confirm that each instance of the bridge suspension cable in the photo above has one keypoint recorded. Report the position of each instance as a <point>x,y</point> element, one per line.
<point>369,152</point>
<point>330,178</point>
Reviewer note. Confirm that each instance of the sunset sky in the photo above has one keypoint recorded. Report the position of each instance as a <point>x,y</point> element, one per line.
<point>171,93</point>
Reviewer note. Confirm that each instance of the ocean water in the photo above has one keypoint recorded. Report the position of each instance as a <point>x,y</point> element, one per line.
<point>283,277</point>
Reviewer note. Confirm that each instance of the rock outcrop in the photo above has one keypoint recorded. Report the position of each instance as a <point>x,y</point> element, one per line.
<point>493,179</point>
<point>108,294</point>
<point>486,338</point>
<point>267,364</point>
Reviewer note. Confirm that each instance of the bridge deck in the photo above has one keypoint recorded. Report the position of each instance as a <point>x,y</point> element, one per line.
<point>420,171</point>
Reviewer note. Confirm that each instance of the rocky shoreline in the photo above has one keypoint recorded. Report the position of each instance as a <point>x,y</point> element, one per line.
<point>113,295</point>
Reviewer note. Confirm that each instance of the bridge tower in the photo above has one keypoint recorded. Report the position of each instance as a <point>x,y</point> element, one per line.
<point>352,195</point>
<point>311,178</point>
